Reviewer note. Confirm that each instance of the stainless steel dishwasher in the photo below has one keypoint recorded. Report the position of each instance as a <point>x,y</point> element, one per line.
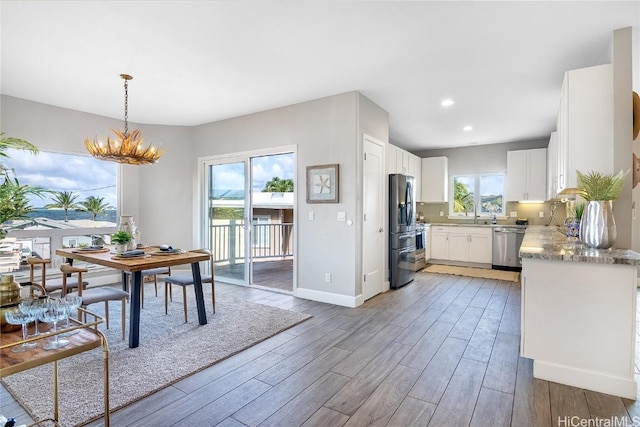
<point>506,246</point>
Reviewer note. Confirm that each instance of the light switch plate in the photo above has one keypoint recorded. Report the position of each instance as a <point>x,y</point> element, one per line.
<point>541,214</point>
<point>311,216</point>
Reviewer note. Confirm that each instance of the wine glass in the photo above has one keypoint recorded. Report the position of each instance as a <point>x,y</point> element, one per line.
<point>33,305</point>
<point>74,301</point>
<point>17,317</point>
<point>54,311</point>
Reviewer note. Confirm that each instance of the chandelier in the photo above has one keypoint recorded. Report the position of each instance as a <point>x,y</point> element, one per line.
<point>127,146</point>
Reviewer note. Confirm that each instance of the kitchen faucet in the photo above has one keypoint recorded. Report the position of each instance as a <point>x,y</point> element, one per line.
<point>475,212</point>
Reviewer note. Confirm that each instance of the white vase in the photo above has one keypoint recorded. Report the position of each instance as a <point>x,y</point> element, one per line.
<point>121,247</point>
<point>128,224</point>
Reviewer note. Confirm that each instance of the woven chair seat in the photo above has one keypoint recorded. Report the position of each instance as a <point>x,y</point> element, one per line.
<point>186,279</point>
<point>154,271</point>
<point>52,285</point>
<point>93,295</point>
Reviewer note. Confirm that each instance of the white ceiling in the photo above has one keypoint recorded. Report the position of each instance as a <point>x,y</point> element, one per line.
<point>196,62</point>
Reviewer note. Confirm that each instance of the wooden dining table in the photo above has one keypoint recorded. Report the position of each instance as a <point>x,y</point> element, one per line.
<point>133,266</point>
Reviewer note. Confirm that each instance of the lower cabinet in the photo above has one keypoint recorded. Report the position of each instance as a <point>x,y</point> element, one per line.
<point>465,244</point>
<point>439,242</point>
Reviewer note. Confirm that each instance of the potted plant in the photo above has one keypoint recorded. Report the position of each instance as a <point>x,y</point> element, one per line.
<point>598,227</point>
<point>121,238</point>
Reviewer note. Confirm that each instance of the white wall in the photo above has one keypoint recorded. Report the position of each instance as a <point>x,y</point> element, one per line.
<point>623,132</point>
<point>481,158</point>
<point>147,192</point>
<point>324,131</point>
<point>161,197</point>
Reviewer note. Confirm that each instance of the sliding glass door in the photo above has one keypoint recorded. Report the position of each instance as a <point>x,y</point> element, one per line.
<point>227,205</point>
<point>249,219</point>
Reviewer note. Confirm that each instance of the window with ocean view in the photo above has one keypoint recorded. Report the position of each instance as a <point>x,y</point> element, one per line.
<point>78,207</point>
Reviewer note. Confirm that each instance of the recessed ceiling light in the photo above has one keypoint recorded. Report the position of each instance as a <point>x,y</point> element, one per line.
<point>467,128</point>
<point>447,102</point>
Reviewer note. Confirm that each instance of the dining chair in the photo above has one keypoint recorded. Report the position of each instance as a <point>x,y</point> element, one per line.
<point>98,294</point>
<point>51,285</point>
<point>154,272</point>
<point>146,273</point>
<point>185,280</point>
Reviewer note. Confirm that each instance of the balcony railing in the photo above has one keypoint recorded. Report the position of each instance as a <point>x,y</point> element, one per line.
<point>267,241</point>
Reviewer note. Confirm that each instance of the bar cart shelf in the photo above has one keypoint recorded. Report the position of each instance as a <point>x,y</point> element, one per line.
<point>87,338</point>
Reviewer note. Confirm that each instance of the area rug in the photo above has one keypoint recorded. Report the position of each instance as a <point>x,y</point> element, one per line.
<point>169,350</point>
<point>484,273</point>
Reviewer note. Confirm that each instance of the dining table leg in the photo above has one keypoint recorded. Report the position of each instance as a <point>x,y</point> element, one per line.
<point>197,287</point>
<point>134,310</point>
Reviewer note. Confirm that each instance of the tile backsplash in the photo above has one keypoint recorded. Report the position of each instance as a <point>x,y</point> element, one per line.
<point>531,211</point>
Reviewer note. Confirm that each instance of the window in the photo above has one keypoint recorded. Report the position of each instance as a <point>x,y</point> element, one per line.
<point>82,190</point>
<point>480,193</point>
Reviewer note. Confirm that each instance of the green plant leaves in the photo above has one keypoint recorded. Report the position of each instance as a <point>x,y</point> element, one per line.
<point>598,186</point>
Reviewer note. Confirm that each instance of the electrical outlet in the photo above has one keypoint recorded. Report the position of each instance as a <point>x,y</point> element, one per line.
<point>342,216</point>
<point>311,216</point>
<point>441,213</point>
<point>541,214</point>
<point>513,214</point>
<point>327,277</point>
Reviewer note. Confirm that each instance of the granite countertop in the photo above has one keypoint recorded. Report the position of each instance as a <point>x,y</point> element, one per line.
<point>548,243</point>
<point>464,224</point>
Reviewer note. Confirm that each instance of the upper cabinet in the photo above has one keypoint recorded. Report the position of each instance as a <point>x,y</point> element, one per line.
<point>435,176</point>
<point>585,124</point>
<point>401,161</point>
<point>415,170</point>
<point>552,166</point>
<point>527,174</point>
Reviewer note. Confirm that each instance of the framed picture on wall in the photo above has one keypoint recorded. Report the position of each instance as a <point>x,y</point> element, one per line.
<point>323,183</point>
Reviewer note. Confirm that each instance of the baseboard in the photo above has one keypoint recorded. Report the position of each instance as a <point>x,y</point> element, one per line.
<point>336,299</point>
<point>590,380</point>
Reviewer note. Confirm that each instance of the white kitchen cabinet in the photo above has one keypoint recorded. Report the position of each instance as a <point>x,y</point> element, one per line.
<point>481,245</point>
<point>439,242</point>
<point>552,166</point>
<point>402,162</point>
<point>585,124</point>
<point>415,170</point>
<point>435,178</point>
<point>527,174</point>
<point>427,238</point>
<point>470,244</point>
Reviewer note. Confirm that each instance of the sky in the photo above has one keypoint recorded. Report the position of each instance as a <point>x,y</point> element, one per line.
<point>83,175</point>
<point>87,176</point>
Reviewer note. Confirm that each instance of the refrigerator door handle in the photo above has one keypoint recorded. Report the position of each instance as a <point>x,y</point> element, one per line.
<point>408,196</point>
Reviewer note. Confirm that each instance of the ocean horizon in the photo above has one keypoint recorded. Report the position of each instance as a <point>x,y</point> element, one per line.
<point>58,215</point>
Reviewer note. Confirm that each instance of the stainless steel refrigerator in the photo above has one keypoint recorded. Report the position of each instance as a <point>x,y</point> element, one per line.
<point>402,230</point>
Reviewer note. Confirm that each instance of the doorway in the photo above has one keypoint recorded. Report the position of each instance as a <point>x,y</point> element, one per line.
<point>249,219</point>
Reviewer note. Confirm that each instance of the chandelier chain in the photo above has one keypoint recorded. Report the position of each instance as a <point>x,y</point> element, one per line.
<point>126,106</point>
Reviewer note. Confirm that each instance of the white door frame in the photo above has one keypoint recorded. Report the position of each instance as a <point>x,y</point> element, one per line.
<point>384,286</point>
<point>201,197</point>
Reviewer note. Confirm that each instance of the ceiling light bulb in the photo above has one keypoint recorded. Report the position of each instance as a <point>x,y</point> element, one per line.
<point>467,128</point>
<point>447,102</point>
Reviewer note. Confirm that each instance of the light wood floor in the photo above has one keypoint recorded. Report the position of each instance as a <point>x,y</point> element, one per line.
<point>442,351</point>
<point>277,275</point>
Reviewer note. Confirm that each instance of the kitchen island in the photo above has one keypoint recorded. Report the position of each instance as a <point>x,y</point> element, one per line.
<point>578,316</point>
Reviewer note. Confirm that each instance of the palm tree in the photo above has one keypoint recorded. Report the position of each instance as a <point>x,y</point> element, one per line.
<point>65,200</point>
<point>95,205</point>
<point>278,185</point>
<point>14,197</point>
<point>462,198</point>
